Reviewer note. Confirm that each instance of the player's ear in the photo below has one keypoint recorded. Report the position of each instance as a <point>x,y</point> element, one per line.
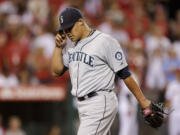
<point>81,21</point>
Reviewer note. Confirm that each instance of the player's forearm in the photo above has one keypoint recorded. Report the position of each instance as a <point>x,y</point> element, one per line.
<point>57,62</point>
<point>167,104</point>
<point>135,89</point>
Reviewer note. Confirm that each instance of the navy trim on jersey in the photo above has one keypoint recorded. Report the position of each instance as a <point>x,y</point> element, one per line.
<point>103,115</point>
<point>78,62</point>
<point>90,41</point>
<point>76,43</point>
<point>92,32</point>
<point>64,70</point>
<point>124,73</point>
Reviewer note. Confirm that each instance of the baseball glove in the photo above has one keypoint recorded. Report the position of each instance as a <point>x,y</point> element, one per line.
<point>154,115</point>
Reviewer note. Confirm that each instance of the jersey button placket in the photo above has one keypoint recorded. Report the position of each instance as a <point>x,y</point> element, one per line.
<point>75,72</point>
<point>77,76</point>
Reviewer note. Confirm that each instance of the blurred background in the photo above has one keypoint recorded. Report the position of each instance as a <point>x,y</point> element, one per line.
<point>32,102</point>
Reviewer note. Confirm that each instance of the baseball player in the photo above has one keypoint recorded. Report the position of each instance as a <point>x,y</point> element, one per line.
<point>93,60</point>
<point>172,101</point>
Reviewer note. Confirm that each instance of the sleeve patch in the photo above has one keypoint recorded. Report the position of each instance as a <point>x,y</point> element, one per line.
<point>118,56</point>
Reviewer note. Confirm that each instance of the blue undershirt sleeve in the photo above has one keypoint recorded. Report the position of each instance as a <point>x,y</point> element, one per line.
<point>124,73</point>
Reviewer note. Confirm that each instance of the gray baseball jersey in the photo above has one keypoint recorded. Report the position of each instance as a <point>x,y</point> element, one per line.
<point>93,62</point>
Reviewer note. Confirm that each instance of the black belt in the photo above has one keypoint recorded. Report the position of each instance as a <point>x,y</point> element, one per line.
<point>91,94</point>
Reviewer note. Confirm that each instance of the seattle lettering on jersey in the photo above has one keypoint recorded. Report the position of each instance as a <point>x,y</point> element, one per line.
<point>82,57</point>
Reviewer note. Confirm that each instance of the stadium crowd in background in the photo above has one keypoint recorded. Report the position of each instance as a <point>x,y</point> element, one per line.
<point>143,29</point>
<point>148,36</point>
<point>14,127</point>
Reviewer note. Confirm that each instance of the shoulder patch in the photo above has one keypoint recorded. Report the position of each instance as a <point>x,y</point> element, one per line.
<point>118,56</point>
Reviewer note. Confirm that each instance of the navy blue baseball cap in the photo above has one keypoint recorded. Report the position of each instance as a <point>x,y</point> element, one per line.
<point>68,18</point>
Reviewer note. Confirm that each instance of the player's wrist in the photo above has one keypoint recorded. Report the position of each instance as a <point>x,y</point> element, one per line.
<point>59,50</point>
<point>145,103</point>
<point>60,46</point>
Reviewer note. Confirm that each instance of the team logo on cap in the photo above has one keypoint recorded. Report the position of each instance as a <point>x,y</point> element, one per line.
<point>118,56</point>
<point>61,19</point>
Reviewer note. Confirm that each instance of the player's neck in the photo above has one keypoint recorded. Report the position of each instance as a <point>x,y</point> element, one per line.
<point>86,32</point>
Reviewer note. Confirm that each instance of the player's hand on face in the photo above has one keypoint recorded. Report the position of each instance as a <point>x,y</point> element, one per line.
<point>60,40</point>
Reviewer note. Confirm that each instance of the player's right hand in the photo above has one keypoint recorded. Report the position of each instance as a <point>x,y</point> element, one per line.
<point>60,40</point>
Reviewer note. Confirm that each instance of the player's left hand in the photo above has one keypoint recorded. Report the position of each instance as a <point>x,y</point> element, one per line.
<point>154,115</point>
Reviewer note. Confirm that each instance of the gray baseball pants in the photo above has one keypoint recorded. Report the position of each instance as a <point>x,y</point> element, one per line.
<point>97,113</point>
